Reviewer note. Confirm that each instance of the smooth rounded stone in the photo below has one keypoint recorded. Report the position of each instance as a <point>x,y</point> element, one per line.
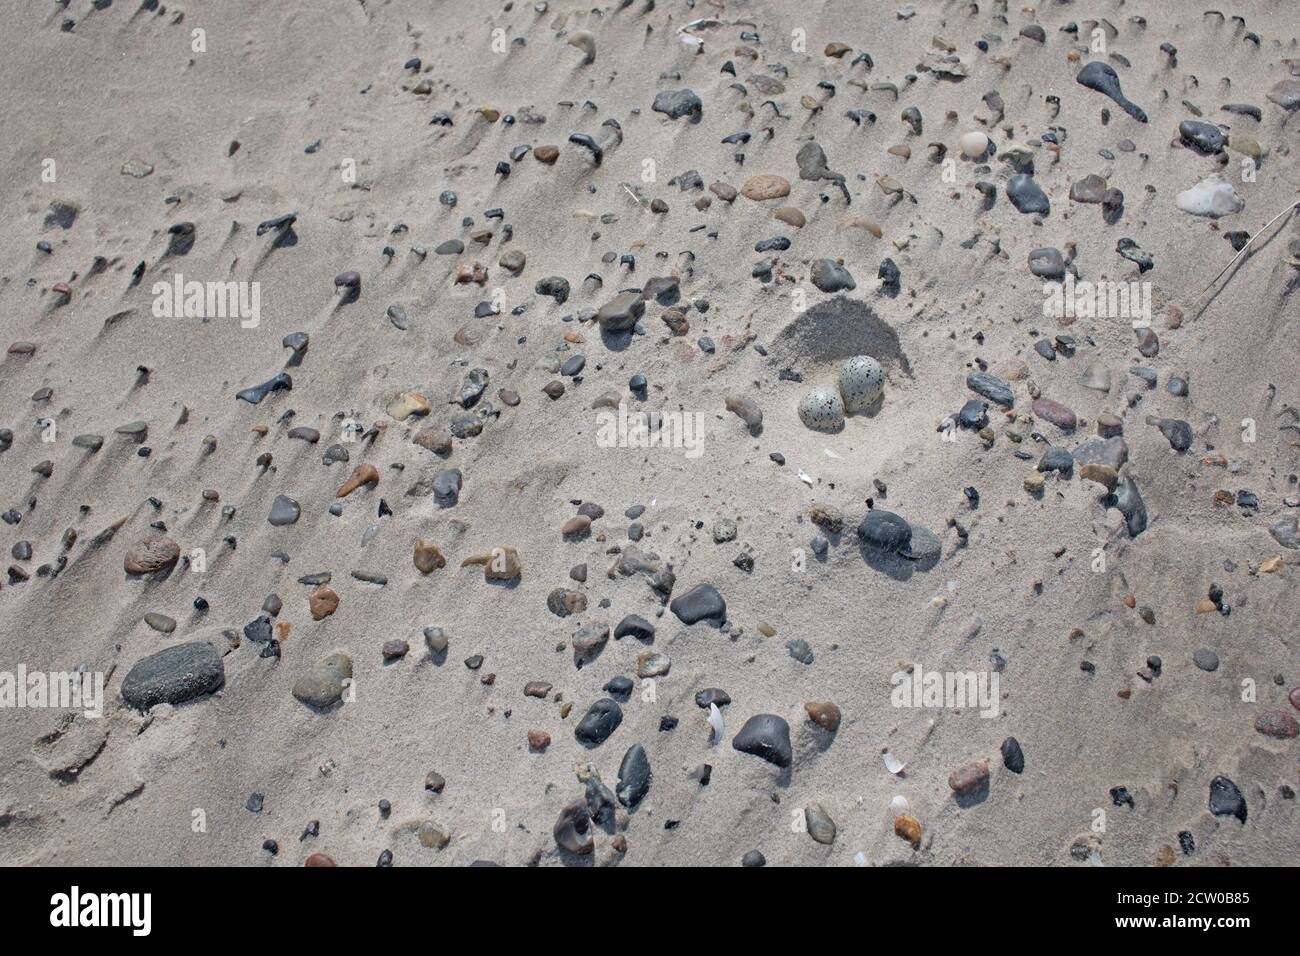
<point>600,721</point>
<point>284,510</point>
<point>973,144</point>
<point>174,675</point>
<point>924,548</point>
<point>151,556</point>
<point>1226,799</point>
<point>791,217</point>
<point>1205,137</point>
<point>700,603</point>
<point>1089,189</point>
<point>970,778</point>
<point>1102,474</point>
<point>1056,413</point>
<point>407,404</point>
<point>160,622</point>
<point>91,443</point>
<point>1111,452</point>
<point>753,859</point>
<point>446,488</point>
<point>579,526</point>
<point>1213,197</point>
<point>1096,376</point>
<point>1205,659</point>
<point>513,261</point>
<point>1278,724</point>
<point>323,686</point>
<point>766,736</point>
<point>322,603</point>
<point>452,247</point>
<point>435,639</point>
<point>572,830</point>
<point>820,825</point>
<point>431,439</point>
<point>991,387</point>
<point>562,602</point>
<point>830,276</point>
<point>822,409</point>
<point>621,312</point>
<point>1044,348</point>
<point>824,714</point>
<point>573,365</point>
<point>337,453</point>
<point>1178,432</point>
<point>634,777</point>
<point>861,382</point>
<point>1286,94</point>
<point>1013,758</point>
<point>394,650</point>
<point>1148,344</point>
<point>1057,459</point>
<point>546,154</point>
<point>633,625</point>
<point>885,531</point>
<point>678,103</point>
<point>1286,532</point>
<point>556,287</point>
<point>747,410</point>
<point>1047,263</point>
<point>714,696</point>
<point>1102,78</point>
<point>652,664</point>
<point>1027,196</point>
<point>973,414</point>
<point>310,435</point>
<point>764,187</point>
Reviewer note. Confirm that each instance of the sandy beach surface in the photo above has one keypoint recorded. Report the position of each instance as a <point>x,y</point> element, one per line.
<point>431,597</point>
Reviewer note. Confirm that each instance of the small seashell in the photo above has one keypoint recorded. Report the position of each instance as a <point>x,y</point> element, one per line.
<point>892,763</point>
<point>715,721</point>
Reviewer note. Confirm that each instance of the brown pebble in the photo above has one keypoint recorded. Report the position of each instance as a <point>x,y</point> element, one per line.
<point>361,475</point>
<point>576,527</point>
<point>760,188</point>
<point>323,602</point>
<point>538,739</point>
<point>434,782</point>
<point>546,154</point>
<point>909,828</point>
<point>319,859</point>
<point>1056,413</point>
<point>428,558</point>
<point>148,557</point>
<point>824,714</point>
<point>970,777</point>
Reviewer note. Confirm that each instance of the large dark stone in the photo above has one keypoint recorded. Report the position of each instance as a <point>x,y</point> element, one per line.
<point>174,675</point>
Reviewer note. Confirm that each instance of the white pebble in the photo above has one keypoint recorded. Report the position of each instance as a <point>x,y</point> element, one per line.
<point>973,144</point>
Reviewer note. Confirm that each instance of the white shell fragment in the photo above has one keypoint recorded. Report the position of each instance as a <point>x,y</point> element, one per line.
<point>892,763</point>
<point>1213,197</point>
<point>715,721</point>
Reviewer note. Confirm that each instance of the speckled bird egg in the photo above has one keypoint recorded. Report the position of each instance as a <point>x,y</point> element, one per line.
<point>822,409</point>
<point>861,382</point>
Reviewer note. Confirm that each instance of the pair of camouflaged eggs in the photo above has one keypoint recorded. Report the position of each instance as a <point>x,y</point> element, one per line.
<point>861,381</point>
